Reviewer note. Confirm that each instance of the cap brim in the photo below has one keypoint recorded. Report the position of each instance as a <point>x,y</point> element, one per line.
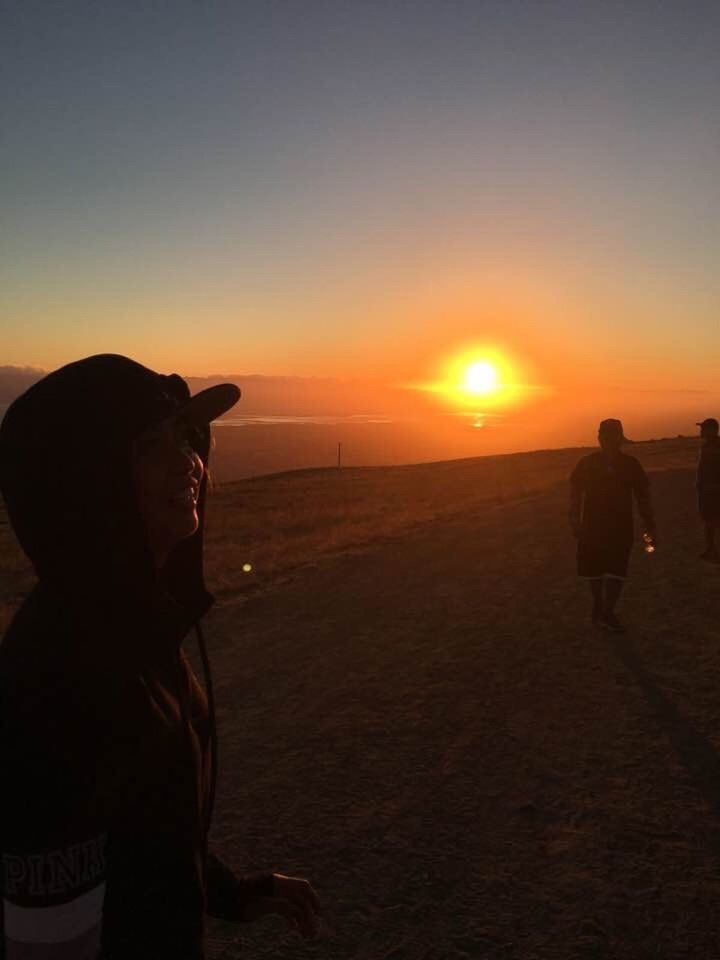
<point>210,404</point>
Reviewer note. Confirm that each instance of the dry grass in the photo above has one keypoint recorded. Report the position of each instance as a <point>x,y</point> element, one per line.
<point>432,731</point>
<point>282,522</point>
<point>279,523</point>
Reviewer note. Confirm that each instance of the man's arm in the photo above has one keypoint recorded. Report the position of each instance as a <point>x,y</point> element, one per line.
<point>708,471</point>
<point>576,501</point>
<point>641,487</point>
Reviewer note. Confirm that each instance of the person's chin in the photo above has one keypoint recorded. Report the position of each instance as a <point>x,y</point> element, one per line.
<point>184,526</point>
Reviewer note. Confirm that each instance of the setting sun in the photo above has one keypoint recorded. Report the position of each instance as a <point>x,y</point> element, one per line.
<point>481,372</point>
<point>481,378</point>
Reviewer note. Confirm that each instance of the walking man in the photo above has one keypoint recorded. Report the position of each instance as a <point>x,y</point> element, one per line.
<point>708,486</point>
<point>602,487</point>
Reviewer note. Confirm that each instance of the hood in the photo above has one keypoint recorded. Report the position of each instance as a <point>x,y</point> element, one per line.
<point>66,479</point>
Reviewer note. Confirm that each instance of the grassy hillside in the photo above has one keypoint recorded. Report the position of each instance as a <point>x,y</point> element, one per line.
<point>282,522</point>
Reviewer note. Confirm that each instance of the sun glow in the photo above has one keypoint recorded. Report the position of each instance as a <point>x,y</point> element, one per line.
<point>479,373</point>
<point>481,378</point>
<point>482,373</point>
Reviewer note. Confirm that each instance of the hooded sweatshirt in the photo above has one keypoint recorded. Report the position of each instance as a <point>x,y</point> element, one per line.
<point>107,740</point>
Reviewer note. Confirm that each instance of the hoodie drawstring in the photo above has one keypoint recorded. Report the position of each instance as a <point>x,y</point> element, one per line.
<point>213,726</point>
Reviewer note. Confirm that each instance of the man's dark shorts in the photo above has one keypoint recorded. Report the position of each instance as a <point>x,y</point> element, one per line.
<point>608,559</point>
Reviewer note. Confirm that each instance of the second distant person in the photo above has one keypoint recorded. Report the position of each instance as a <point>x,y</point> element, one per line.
<point>602,487</point>
<point>708,486</point>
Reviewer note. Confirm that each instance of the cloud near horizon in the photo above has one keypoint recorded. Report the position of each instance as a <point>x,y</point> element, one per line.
<point>272,395</point>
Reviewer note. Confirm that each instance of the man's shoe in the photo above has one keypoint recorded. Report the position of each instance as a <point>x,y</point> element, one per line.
<point>596,614</point>
<point>712,556</point>
<point>610,622</point>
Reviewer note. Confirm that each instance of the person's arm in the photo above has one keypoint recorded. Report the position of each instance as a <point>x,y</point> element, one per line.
<point>228,894</point>
<point>53,895</point>
<point>243,899</point>
<point>576,501</point>
<point>708,475</point>
<point>644,501</point>
<point>53,860</point>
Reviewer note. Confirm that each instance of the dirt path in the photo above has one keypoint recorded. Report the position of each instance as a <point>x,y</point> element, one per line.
<point>434,734</point>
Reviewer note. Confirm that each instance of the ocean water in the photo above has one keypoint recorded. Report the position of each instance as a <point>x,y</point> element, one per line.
<point>253,446</point>
<point>258,444</point>
<point>259,419</point>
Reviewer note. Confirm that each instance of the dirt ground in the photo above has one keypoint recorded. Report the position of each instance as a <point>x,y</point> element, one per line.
<point>426,725</point>
<point>432,732</point>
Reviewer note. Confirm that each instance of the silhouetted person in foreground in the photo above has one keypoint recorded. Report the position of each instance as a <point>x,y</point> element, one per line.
<point>602,487</point>
<point>108,748</point>
<point>708,486</point>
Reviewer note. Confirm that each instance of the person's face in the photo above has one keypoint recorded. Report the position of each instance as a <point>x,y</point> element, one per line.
<point>609,442</point>
<point>166,477</point>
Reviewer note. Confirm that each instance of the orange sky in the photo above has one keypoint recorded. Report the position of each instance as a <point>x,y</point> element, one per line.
<point>362,191</point>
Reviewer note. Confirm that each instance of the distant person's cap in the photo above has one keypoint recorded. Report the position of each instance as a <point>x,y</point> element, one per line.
<point>709,425</point>
<point>612,428</point>
<point>209,404</point>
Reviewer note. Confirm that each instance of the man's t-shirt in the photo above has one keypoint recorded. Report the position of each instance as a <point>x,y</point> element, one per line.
<point>708,474</point>
<point>708,479</point>
<point>606,487</point>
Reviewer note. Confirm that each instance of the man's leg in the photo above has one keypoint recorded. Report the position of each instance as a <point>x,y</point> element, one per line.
<point>596,589</point>
<point>613,589</point>
<point>711,552</point>
<point>590,568</point>
<point>617,568</point>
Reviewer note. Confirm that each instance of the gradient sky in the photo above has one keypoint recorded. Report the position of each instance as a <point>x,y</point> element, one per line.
<point>356,188</point>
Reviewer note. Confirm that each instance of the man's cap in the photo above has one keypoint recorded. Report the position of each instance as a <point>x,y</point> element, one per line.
<point>612,428</point>
<point>708,425</point>
<point>211,403</point>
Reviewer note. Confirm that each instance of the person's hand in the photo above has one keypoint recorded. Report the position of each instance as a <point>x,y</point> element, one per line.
<point>650,532</point>
<point>292,898</point>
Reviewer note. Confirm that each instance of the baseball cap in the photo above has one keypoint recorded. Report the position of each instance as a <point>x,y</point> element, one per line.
<point>209,404</point>
<point>157,397</point>
<point>708,425</point>
<point>612,427</point>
